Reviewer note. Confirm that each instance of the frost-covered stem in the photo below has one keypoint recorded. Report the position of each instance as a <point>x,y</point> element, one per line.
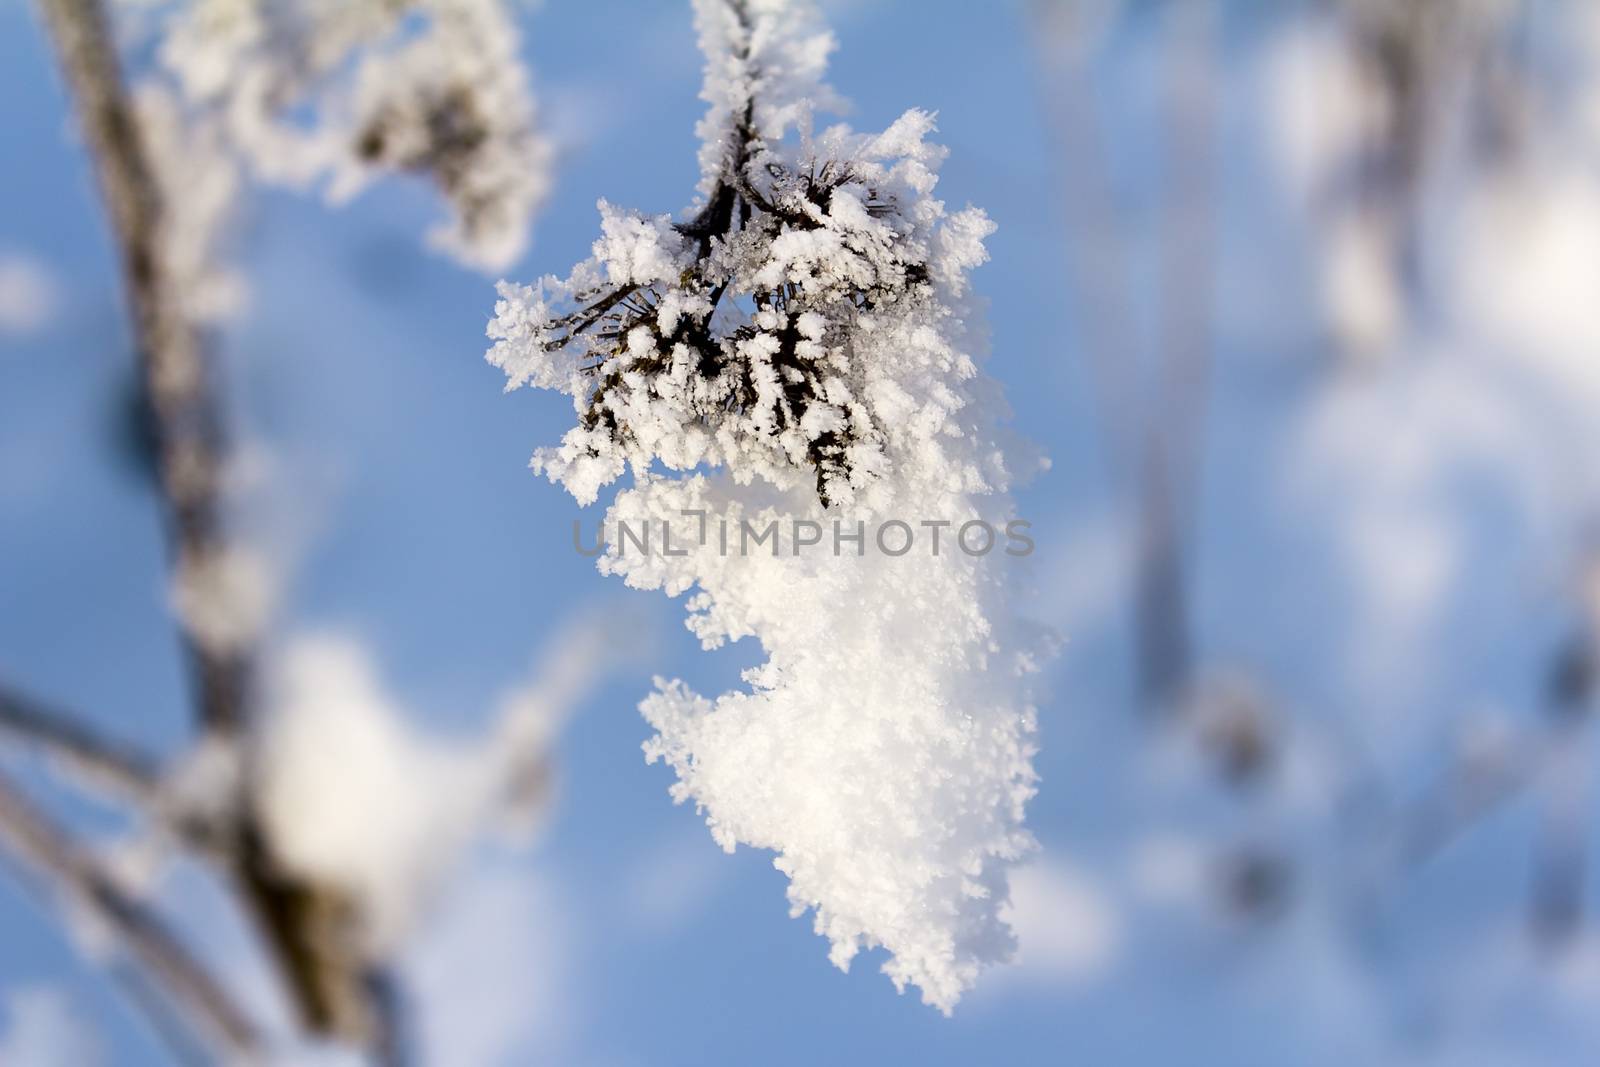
<point>120,768</point>
<point>1175,428</point>
<point>174,370</point>
<point>305,927</point>
<point>717,218</point>
<point>729,203</point>
<point>201,1000</point>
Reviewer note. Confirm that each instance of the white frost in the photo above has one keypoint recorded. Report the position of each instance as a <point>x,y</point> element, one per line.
<point>309,93</point>
<point>800,347</point>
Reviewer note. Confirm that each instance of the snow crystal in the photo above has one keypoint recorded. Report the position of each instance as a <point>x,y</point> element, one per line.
<point>798,350</point>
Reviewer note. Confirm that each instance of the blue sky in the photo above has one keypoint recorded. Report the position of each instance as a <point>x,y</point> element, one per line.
<point>421,530</point>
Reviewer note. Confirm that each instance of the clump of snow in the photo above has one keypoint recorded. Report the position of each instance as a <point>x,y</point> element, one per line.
<point>352,794</point>
<point>801,347</point>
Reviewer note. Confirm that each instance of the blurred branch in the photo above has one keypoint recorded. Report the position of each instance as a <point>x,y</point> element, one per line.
<point>312,932</point>
<point>1422,63</point>
<point>1155,447</point>
<point>200,998</point>
<point>176,378</point>
<point>1468,792</point>
<point>1402,46</point>
<point>1175,429</point>
<point>78,747</point>
<point>307,928</point>
<point>1463,795</point>
<point>1096,256</point>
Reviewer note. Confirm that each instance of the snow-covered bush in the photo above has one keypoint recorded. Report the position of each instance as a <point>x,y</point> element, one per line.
<point>799,355</point>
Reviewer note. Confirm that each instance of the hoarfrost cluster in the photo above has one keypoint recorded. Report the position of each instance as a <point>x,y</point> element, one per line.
<point>802,346</point>
<point>305,93</point>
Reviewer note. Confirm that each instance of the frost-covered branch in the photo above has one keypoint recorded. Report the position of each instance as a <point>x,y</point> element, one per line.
<point>300,93</point>
<point>299,922</point>
<point>306,93</point>
<point>799,350</point>
<point>81,749</point>
<point>201,1001</point>
<point>1410,64</point>
<point>174,369</point>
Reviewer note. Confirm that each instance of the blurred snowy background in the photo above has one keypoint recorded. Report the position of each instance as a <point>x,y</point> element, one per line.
<point>1302,299</point>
